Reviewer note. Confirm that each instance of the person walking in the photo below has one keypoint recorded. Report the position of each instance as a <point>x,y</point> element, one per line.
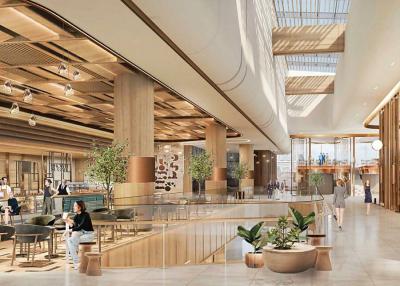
<point>48,194</point>
<point>368,195</point>
<point>339,196</point>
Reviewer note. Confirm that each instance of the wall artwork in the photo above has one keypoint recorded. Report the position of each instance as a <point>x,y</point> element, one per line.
<point>169,168</point>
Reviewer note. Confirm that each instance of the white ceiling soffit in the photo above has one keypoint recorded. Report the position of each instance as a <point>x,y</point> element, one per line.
<point>370,65</point>
<point>228,40</point>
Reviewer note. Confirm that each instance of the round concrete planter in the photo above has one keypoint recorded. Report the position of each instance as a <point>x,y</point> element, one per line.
<point>254,260</point>
<point>300,258</point>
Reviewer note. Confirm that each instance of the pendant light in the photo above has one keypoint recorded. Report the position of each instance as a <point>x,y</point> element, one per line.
<point>68,91</point>
<point>8,87</point>
<point>76,75</point>
<point>32,121</point>
<point>28,95</point>
<point>14,110</point>
<point>62,69</point>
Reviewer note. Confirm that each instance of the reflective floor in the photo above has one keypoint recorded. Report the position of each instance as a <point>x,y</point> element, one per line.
<point>366,252</point>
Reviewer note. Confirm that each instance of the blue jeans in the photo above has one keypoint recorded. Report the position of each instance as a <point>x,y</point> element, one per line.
<point>75,239</point>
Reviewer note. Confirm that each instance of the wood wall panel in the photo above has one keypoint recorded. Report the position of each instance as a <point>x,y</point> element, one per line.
<point>265,167</point>
<point>389,193</point>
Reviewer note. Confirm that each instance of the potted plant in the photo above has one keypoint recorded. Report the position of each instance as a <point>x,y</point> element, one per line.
<point>200,167</point>
<point>300,221</point>
<point>315,180</point>
<point>285,255</point>
<point>257,240</point>
<point>107,165</point>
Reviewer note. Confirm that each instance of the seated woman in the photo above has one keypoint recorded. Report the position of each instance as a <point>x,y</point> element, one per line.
<point>82,231</point>
<point>12,205</point>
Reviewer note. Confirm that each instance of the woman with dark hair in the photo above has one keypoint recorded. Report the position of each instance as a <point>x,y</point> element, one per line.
<point>82,230</point>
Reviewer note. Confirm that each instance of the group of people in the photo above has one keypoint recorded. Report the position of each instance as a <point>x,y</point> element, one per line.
<point>49,193</point>
<point>339,196</point>
<point>7,195</point>
<point>272,187</point>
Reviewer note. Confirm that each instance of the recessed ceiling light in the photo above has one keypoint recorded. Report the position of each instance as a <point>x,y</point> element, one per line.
<point>376,87</point>
<point>364,104</point>
<point>392,64</point>
<point>14,110</point>
<point>8,87</point>
<point>28,95</point>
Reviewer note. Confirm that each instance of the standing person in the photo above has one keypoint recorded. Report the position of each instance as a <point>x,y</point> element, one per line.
<point>270,189</point>
<point>82,230</point>
<point>63,189</point>
<point>368,195</point>
<point>5,189</point>
<point>48,194</point>
<point>339,196</point>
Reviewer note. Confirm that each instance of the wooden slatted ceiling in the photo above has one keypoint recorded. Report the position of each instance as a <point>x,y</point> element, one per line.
<point>300,85</point>
<point>32,47</point>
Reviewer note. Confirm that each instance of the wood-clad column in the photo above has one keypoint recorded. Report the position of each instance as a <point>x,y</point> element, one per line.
<point>216,147</point>
<point>389,176</point>
<point>134,124</point>
<point>187,178</point>
<point>265,167</point>
<point>246,156</point>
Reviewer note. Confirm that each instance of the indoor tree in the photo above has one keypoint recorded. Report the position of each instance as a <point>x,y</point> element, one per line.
<point>201,167</point>
<point>239,172</point>
<point>315,180</point>
<point>107,165</point>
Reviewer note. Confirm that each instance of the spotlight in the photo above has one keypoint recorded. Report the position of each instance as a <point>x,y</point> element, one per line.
<point>76,75</point>
<point>32,120</point>
<point>28,95</point>
<point>62,69</point>
<point>68,91</point>
<point>8,87</point>
<point>14,108</point>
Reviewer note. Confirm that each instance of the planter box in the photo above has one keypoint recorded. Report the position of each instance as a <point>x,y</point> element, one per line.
<point>298,259</point>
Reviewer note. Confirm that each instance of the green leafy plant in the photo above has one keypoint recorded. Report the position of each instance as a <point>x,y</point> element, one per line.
<point>300,221</point>
<point>315,180</point>
<point>200,167</point>
<point>281,236</point>
<point>239,171</point>
<point>253,236</point>
<point>107,165</point>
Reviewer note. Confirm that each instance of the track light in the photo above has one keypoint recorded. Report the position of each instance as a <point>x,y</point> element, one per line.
<point>14,108</point>
<point>8,87</point>
<point>28,95</point>
<point>32,120</point>
<point>76,75</point>
<point>62,69</point>
<point>68,91</point>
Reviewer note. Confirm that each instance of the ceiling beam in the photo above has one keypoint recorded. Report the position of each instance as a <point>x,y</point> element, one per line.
<point>70,63</point>
<point>300,85</point>
<point>308,39</point>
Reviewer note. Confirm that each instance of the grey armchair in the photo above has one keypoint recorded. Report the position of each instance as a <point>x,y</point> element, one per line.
<point>28,234</point>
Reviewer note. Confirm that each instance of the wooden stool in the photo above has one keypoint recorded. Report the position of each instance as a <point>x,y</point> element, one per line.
<point>315,239</point>
<point>93,267</point>
<point>323,261</point>
<point>84,247</point>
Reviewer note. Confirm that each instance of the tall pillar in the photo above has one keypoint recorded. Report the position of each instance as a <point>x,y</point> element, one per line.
<point>216,147</point>
<point>265,167</point>
<point>187,178</point>
<point>134,125</point>
<point>246,157</point>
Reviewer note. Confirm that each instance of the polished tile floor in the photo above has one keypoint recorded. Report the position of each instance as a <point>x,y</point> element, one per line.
<point>366,252</point>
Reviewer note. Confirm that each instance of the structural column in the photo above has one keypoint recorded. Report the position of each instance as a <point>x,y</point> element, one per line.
<point>265,167</point>
<point>187,178</point>
<point>216,147</point>
<point>246,157</point>
<point>134,125</point>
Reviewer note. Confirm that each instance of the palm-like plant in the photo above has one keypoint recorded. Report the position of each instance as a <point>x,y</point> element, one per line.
<point>300,221</point>
<point>253,236</point>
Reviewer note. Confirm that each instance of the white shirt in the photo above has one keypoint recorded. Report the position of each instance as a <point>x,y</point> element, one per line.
<point>5,188</point>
